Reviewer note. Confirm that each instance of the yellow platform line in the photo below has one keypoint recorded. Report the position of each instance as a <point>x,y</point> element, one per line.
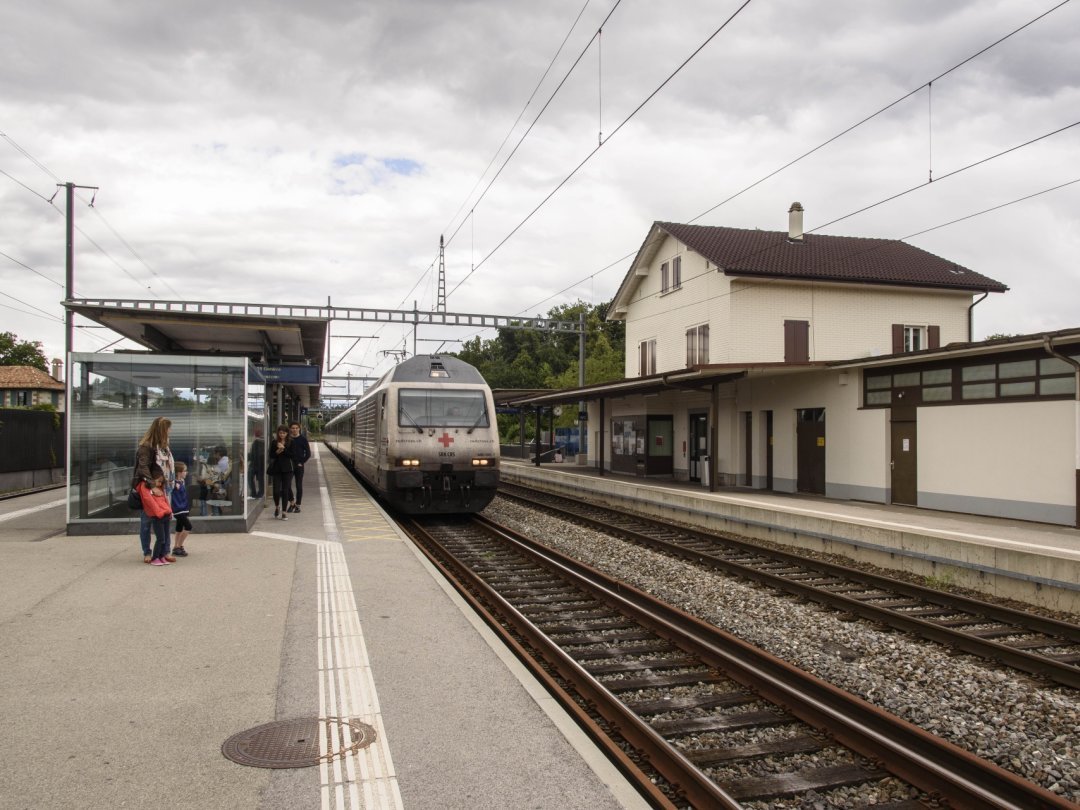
<point>358,518</point>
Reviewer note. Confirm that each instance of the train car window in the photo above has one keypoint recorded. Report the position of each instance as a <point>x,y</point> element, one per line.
<point>438,407</point>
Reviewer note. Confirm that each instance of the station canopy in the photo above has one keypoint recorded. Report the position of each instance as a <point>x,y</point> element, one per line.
<point>287,342</point>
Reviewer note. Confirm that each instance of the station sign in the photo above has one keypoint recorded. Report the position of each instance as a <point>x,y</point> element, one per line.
<point>290,375</point>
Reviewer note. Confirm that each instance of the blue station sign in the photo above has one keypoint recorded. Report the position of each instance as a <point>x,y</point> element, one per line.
<point>290,375</point>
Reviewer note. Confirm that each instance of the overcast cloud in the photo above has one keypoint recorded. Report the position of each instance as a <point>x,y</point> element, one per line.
<point>276,152</point>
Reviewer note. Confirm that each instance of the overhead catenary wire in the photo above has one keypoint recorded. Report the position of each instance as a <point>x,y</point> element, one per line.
<point>614,132</point>
<point>21,183</point>
<point>517,120</point>
<point>31,269</point>
<point>834,138</point>
<point>34,314</point>
<point>543,109</point>
<point>880,246</point>
<point>28,304</point>
<point>884,109</point>
<point>21,150</point>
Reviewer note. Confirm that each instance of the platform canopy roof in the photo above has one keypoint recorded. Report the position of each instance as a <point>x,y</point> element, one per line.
<point>694,378</point>
<point>269,335</point>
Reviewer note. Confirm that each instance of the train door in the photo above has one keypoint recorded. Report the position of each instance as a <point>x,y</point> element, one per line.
<point>382,435</point>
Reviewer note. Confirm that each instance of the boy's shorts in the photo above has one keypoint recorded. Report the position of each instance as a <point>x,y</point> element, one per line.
<point>183,524</point>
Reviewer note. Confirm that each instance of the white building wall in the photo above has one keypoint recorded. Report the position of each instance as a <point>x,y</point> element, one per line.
<point>665,317</point>
<point>1005,459</point>
<point>845,321</point>
<point>856,441</point>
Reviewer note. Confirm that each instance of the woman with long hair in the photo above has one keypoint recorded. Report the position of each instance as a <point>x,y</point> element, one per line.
<point>280,469</point>
<point>154,453</point>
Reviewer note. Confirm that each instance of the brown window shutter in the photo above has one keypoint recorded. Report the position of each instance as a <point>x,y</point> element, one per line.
<point>796,341</point>
<point>933,336</point>
<point>897,338</point>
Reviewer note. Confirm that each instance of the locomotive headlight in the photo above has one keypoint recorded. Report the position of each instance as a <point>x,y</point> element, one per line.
<point>409,462</point>
<point>481,462</point>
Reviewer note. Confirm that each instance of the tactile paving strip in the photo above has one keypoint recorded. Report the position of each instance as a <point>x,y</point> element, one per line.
<point>357,516</point>
<point>296,743</point>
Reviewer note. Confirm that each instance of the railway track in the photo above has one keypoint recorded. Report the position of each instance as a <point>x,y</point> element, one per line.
<point>693,715</point>
<point>1038,645</point>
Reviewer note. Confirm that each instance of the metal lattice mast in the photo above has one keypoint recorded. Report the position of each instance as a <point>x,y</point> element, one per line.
<point>440,305</point>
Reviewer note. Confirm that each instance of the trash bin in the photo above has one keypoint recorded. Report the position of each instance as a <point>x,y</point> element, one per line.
<point>704,465</point>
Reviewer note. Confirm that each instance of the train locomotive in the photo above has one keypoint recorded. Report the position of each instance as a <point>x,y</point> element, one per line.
<point>424,437</point>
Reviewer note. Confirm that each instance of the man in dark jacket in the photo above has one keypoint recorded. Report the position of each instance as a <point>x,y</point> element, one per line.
<point>301,452</point>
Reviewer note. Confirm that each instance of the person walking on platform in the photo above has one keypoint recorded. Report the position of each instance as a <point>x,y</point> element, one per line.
<point>256,465</point>
<point>156,506</point>
<point>280,469</point>
<point>154,451</point>
<point>301,452</point>
<point>181,509</point>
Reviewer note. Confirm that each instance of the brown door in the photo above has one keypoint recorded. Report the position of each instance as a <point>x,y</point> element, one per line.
<point>810,445</point>
<point>768,450</point>
<point>748,434</point>
<point>904,467</point>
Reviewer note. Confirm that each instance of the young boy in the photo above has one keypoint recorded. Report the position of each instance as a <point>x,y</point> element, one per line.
<point>157,508</point>
<point>181,509</point>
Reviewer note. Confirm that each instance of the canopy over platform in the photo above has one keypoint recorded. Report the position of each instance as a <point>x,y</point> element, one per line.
<point>288,342</point>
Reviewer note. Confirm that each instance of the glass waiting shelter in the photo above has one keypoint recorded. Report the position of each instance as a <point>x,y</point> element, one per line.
<point>218,410</point>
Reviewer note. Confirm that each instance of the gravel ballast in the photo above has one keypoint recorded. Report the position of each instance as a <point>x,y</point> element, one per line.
<point>1006,717</point>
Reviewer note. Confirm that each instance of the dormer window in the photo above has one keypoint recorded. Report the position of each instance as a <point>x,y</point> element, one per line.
<point>671,276</point>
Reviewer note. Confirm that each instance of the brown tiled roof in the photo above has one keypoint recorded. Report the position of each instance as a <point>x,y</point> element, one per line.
<point>826,258</point>
<point>27,377</point>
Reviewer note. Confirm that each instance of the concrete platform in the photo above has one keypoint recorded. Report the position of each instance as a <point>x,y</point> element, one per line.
<point>1035,563</point>
<point>119,682</point>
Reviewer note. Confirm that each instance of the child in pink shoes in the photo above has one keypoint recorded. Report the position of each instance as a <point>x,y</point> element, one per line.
<point>156,505</point>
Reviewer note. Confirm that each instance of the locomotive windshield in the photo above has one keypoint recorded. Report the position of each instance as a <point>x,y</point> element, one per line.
<point>439,407</point>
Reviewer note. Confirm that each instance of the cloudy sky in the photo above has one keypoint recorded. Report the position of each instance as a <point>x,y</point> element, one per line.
<point>279,152</point>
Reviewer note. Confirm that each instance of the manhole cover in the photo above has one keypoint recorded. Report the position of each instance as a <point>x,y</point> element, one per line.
<point>295,743</point>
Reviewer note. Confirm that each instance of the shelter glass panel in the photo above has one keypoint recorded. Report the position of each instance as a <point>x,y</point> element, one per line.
<point>116,397</point>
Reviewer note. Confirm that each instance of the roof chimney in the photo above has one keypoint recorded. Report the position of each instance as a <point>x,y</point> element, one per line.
<point>58,369</point>
<point>794,227</point>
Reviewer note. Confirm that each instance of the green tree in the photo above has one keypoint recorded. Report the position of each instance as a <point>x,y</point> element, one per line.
<point>528,358</point>
<point>15,352</point>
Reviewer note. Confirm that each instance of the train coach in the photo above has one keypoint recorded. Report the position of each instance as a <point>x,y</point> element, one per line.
<point>424,437</point>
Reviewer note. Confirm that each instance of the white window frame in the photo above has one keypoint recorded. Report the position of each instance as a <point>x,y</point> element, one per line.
<point>915,338</point>
<point>676,272</point>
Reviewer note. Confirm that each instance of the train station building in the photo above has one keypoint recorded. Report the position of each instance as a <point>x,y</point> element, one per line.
<point>832,366</point>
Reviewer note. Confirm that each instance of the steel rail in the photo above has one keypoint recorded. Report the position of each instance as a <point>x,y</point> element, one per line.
<point>680,772</point>
<point>920,758</point>
<point>1056,671</point>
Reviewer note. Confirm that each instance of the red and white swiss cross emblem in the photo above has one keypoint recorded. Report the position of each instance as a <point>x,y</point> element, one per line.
<point>445,440</point>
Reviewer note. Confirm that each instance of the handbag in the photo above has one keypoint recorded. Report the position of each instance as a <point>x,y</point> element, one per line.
<point>134,501</point>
